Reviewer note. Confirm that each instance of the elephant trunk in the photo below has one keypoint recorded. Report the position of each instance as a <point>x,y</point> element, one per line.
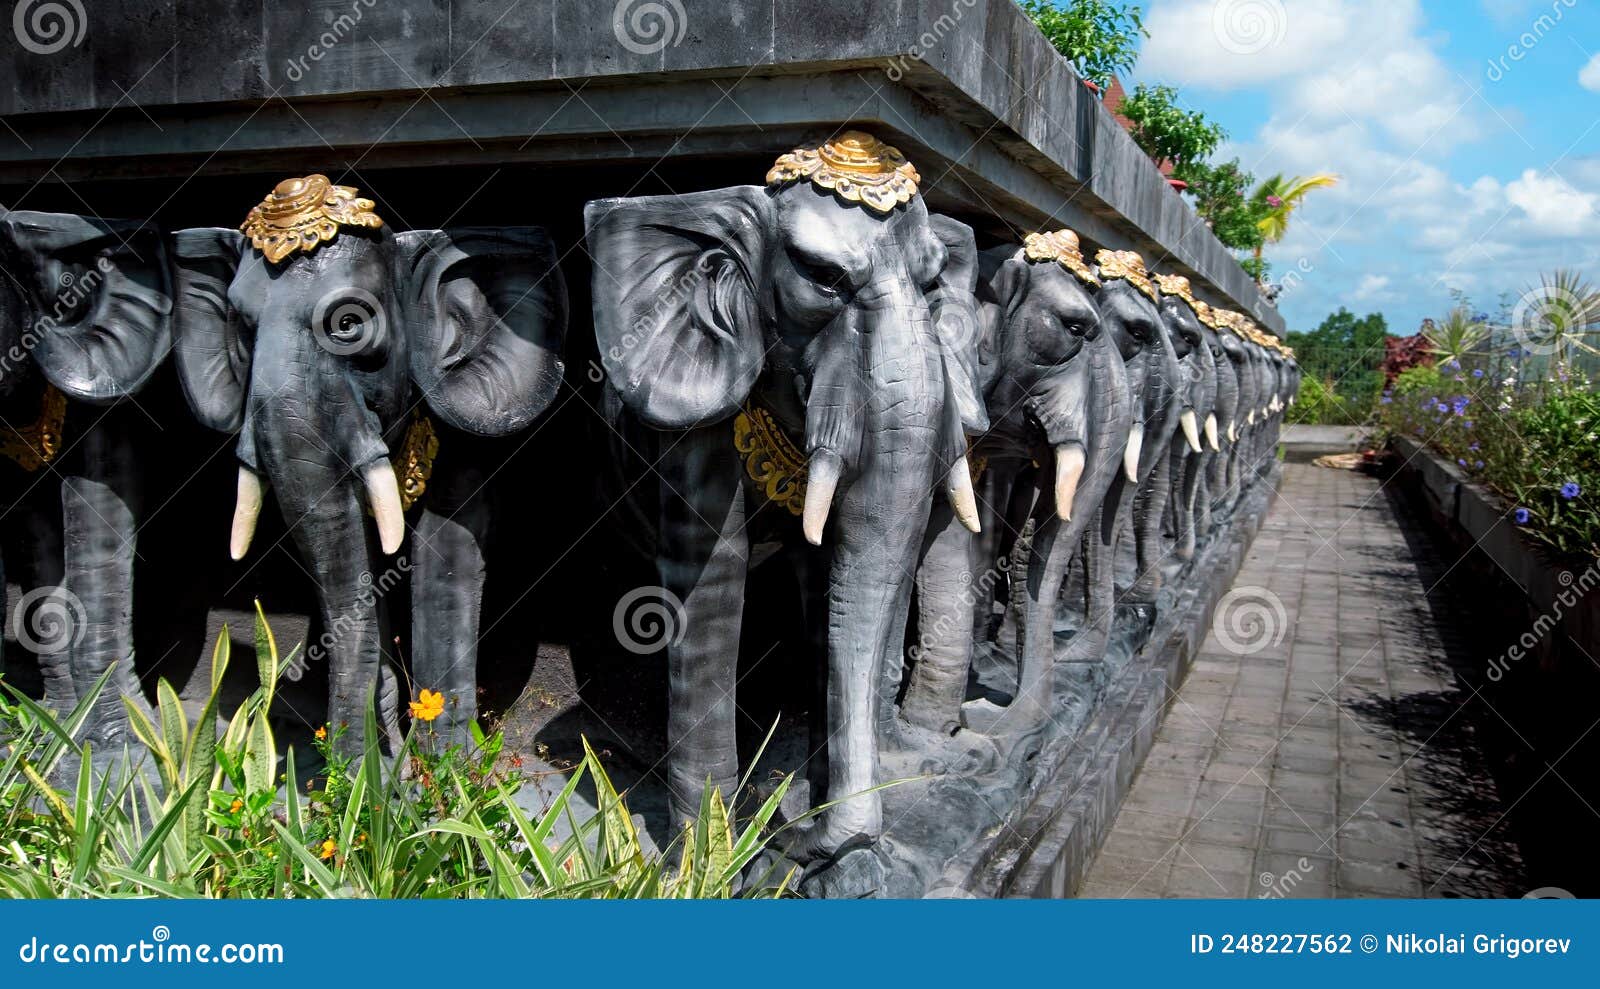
<point>891,434</point>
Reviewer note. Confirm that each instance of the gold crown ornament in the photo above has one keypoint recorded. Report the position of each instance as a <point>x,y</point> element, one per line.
<point>1060,246</point>
<point>303,213</point>
<point>855,166</point>
<point>1177,285</point>
<point>1129,266</point>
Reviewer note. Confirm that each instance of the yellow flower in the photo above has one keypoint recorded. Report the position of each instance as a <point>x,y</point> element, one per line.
<point>236,806</point>
<point>328,848</point>
<point>428,705</point>
<point>322,733</point>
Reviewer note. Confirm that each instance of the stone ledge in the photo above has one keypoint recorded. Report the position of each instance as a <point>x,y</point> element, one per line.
<point>971,85</point>
<point>1482,520</point>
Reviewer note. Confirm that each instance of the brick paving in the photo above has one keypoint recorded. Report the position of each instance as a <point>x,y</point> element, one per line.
<point>1339,760</point>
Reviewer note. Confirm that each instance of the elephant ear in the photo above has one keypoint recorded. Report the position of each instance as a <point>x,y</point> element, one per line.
<point>101,291</point>
<point>208,349</point>
<point>486,313</point>
<point>958,322</point>
<point>676,306</point>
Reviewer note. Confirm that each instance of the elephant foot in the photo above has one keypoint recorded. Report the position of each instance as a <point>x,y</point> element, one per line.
<point>854,874</point>
<point>839,831</point>
<point>988,718</point>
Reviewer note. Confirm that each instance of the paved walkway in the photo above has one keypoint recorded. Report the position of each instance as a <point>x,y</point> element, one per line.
<point>1324,746</point>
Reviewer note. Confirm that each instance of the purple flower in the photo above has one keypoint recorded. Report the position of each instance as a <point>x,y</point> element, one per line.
<point>1467,424</point>
<point>1570,490</point>
<point>1459,404</point>
<point>1385,400</point>
<point>1461,461</point>
<point>1521,515</point>
<point>1477,372</point>
<point>1477,465</point>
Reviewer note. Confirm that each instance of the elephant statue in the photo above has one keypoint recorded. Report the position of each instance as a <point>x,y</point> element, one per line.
<point>1241,356</point>
<point>1055,391</point>
<point>329,343</point>
<point>1192,490</point>
<point>1137,493</point>
<point>802,311</point>
<point>1172,483</point>
<point>86,316</point>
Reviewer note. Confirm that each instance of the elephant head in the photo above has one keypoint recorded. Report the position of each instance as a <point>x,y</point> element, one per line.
<point>810,298</point>
<point>1233,347</point>
<point>1059,388</point>
<point>316,333</point>
<point>1197,376</point>
<point>88,302</point>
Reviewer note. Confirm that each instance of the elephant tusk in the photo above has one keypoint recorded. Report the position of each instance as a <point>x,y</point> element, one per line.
<point>246,510</point>
<point>1191,429</point>
<point>1069,469</point>
<point>962,498</point>
<point>1233,431</point>
<point>822,476</point>
<point>1130,455</point>
<point>1211,431</point>
<point>1250,419</point>
<point>383,495</point>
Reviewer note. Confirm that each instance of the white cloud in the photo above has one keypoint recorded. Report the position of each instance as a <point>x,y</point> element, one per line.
<point>1552,204</point>
<point>1371,286</point>
<point>1589,75</point>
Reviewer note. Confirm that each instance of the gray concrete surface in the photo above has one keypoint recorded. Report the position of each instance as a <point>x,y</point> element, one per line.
<point>1329,751</point>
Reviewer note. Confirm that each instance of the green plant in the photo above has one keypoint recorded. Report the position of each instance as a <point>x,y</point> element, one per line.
<point>1456,336</point>
<point>1167,132</point>
<point>210,816</point>
<point>1278,198</point>
<point>1099,37</point>
<point>1219,193</point>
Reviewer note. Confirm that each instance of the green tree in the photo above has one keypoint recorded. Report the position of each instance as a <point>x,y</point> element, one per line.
<point>1346,352</point>
<point>1278,198</point>
<point>1099,37</point>
<point>1220,197</point>
<point>1167,132</point>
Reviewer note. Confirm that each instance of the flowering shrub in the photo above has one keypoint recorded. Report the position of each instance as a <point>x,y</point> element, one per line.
<point>1536,445</point>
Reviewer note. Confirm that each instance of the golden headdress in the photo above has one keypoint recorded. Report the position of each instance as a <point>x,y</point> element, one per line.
<point>856,166</point>
<point>1127,265</point>
<point>1060,246</point>
<point>302,213</point>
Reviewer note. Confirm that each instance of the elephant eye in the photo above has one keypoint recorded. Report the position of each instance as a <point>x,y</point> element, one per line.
<point>827,276</point>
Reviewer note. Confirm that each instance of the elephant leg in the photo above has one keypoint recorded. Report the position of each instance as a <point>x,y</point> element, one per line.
<point>1188,504</point>
<point>447,574</point>
<point>701,561</point>
<point>100,520</point>
<point>41,515</point>
<point>945,617</point>
<point>1149,506</point>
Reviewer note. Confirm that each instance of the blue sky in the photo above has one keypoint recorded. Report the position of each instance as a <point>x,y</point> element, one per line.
<point>1467,135</point>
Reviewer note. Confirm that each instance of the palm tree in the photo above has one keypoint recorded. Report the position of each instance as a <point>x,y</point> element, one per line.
<point>1559,317</point>
<point>1280,197</point>
<point>1455,336</point>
